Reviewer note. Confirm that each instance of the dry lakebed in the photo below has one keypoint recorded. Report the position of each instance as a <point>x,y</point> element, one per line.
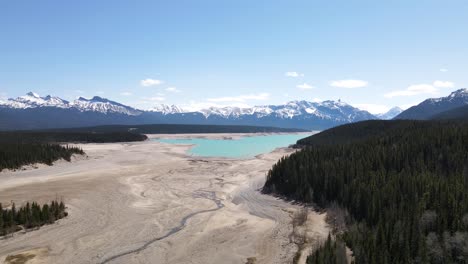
<point>150,202</point>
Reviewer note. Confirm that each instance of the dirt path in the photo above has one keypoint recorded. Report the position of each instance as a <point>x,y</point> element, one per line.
<point>149,203</point>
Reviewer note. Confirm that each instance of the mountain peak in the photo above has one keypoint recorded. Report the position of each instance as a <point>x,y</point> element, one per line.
<point>95,99</point>
<point>298,113</point>
<point>431,107</point>
<point>99,99</point>
<point>33,94</point>
<point>390,114</point>
<point>459,92</point>
<point>167,109</point>
<point>395,109</point>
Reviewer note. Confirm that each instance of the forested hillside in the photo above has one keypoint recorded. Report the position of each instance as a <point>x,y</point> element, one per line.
<point>404,183</point>
<point>69,137</point>
<point>459,113</point>
<point>178,129</point>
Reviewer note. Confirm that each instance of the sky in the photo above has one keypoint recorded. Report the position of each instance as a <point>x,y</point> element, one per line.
<point>370,54</point>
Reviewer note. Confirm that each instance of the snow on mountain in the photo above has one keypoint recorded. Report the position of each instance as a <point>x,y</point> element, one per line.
<point>167,109</point>
<point>294,111</point>
<point>226,112</point>
<point>96,104</point>
<point>261,111</point>
<point>434,106</point>
<point>390,113</point>
<point>102,105</point>
<point>327,110</point>
<point>32,100</point>
<point>457,96</point>
<point>460,94</point>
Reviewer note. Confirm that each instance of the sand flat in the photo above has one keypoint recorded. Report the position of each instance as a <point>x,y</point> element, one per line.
<point>148,202</point>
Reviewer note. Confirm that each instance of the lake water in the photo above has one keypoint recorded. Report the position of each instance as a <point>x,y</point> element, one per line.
<point>245,147</point>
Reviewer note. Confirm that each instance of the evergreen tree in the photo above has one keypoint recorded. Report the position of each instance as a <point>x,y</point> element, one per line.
<point>403,182</point>
<point>31,215</point>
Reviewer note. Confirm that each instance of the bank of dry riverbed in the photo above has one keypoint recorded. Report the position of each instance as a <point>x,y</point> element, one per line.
<point>148,202</point>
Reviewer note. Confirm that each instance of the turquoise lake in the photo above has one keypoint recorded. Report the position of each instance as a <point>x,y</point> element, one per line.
<point>245,147</point>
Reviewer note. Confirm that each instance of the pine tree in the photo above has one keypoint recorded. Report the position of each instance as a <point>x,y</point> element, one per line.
<point>2,232</point>
<point>390,176</point>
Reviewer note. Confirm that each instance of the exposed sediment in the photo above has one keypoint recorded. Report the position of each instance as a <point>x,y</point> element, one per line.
<point>148,202</point>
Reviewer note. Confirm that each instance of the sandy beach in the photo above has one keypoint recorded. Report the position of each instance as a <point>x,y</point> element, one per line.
<point>148,202</point>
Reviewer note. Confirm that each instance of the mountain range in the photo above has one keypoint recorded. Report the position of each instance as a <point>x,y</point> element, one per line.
<point>96,104</point>
<point>433,107</point>
<point>390,114</point>
<point>32,111</point>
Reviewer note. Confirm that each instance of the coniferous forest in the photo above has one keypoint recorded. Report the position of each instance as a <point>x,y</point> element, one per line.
<point>21,148</point>
<point>331,252</point>
<point>74,136</point>
<point>31,215</point>
<point>15,155</point>
<point>404,183</point>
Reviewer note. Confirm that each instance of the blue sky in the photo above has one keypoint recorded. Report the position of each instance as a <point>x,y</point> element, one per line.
<point>372,54</point>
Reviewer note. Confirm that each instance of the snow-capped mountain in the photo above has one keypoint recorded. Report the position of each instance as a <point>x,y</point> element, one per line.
<point>102,105</point>
<point>327,110</point>
<point>33,111</point>
<point>167,109</point>
<point>390,114</point>
<point>32,100</point>
<point>430,107</point>
<point>96,104</point>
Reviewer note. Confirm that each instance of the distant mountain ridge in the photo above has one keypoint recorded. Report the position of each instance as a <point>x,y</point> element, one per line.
<point>390,114</point>
<point>96,104</point>
<point>431,107</point>
<point>327,110</point>
<point>35,112</point>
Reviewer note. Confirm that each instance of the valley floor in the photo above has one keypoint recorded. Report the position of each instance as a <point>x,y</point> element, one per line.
<point>148,202</point>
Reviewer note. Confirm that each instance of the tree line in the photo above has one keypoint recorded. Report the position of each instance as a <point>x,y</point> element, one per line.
<point>21,148</point>
<point>406,188</point>
<point>31,215</point>
<point>331,252</point>
<point>70,135</point>
<point>15,155</point>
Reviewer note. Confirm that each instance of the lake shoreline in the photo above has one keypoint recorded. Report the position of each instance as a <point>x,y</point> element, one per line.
<point>145,190</point>
<point>227,146</point>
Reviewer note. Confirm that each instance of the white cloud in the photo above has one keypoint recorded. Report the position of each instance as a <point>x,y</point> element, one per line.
<point>157,98</point>
<point>413,90</point>
<point>294,74</point>
<point>241,98</point>
<point>126,94</point>
<point>443,70</point>
<point>373,108</point>
<point>406,106</point>
<point>304,86</point>
<point>79,91</point>
<point>3,97</point>
<point>349,83</point>
<point>150,82</point>
<point>443,84</point>
<point>154,99</point>
<point>417,89</point>
<point>195,106</point>
<point>99,92</point>
<point>173,90</point>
